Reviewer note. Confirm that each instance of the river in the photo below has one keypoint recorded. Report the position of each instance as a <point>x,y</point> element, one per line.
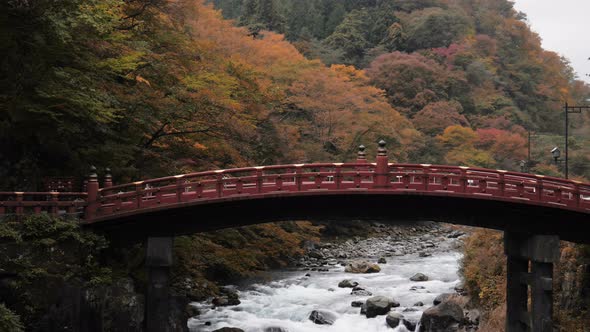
<point>288,299</point>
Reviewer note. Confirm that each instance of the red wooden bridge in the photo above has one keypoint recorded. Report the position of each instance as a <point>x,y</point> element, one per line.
<point>534,210</point>
<point>250,183</point>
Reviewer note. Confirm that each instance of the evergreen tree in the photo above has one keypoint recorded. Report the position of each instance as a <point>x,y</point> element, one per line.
<point>249,12</point>
<point>350,35</point>
<point>269,15</point>
<point>334,18</point>
<point>264,13</point>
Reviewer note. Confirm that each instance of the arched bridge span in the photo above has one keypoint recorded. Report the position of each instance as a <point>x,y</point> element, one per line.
<point>324,191</point>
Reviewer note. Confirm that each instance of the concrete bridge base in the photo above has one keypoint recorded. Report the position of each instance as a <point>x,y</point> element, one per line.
<point>530,260</point>
<point>158,263</point>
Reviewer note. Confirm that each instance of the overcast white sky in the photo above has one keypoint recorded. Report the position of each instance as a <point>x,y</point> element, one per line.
<point>564,26</point>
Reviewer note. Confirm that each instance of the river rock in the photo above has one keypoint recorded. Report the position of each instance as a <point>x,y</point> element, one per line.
<point>418,304</point>
<point>393,319</point>
<point>316,254</point>
<point>229,329</point>
<point>275,329</point>
<point>455,234</point>
<point>225,300</point>
<point>382,260</point>
<point>447,316</point>
<point>460,289</point>
<point>419,277</point>
<point>359,291</point>
<point>424,254</point>
<point>347,283</point>
<point>379,305</point>
<point>228,297</point>
<point>357,304</point>
<point>362,267</point>
<point>322,317</point>
<point>410,324</point>
<point>472,317</point>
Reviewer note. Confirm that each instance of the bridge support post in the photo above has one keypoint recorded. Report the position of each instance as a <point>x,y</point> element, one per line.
<point>540,252</point>
<point>92,188</point>
<point>158,263</point>
<point>382,167</point>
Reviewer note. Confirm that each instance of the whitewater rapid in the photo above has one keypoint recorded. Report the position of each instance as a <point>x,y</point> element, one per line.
<point>288,301</point>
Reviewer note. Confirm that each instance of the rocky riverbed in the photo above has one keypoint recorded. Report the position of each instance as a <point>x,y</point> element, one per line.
<point>403,278</point>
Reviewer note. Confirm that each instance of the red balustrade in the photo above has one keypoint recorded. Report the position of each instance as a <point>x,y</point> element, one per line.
<point>54,203</point>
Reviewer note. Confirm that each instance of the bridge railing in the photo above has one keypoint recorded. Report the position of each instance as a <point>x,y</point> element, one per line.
<point>54,203</point>
<point>440,179</point>
<point>234,182</point>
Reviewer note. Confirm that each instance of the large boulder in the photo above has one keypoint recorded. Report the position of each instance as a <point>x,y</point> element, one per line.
<point>322,317</point>
<point>419,277</point>
<point>444,298</point>
<point>379,305</point>
<point>393,319</point>
<point>347,283</point>
<point>362,267</point>
<point>447,316</point>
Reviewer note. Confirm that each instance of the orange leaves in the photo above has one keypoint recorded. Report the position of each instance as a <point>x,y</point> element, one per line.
<point>484,268</point>
<point>435,117</point>
<point>502,144</point>
<point>140,79</point>
<point>485,147</point>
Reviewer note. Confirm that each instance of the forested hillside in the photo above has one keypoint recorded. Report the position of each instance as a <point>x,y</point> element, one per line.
<point>469,74</point>
<point>150,88</point>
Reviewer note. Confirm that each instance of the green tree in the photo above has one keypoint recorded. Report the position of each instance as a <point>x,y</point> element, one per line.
<point>436,28</point>
<point>9,322</point>
<point>263,12</point>
<point>349,36</point>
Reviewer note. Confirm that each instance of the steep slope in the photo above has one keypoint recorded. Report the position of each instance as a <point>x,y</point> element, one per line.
<point>472,63</point>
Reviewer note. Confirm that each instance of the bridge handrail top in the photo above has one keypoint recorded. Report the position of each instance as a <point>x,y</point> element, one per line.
<point>235,170</point>
<point>468,170</point>
<point>491,171</point>
<point>35,193</point>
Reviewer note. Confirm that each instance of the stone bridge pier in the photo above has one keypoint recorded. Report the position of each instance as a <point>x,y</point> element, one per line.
<point>158,298</point>
<point>530,260</point>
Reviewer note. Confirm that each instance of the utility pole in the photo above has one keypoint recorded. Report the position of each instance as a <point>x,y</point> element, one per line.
<point>576,110</point>
<point>529,148</point>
